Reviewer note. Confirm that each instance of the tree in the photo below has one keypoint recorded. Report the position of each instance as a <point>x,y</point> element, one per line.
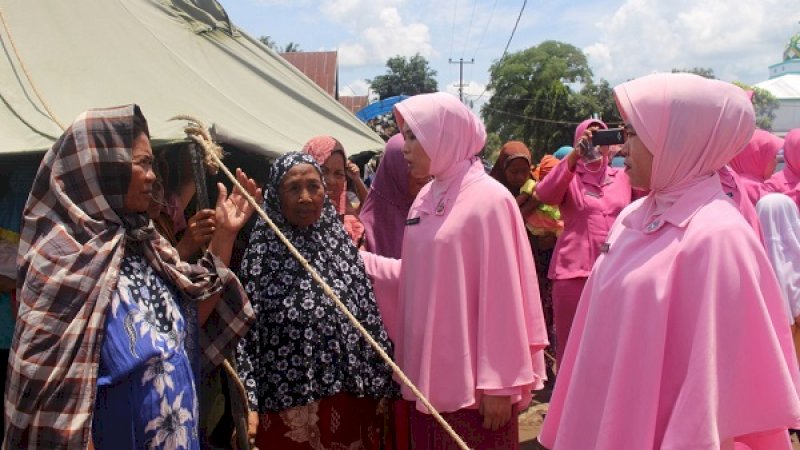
<point>269,42</point>
<point>291,47</point>
<point>764,103</point>
<point>598,99</point>
<point>706,72</point>
<point>405,76</point>
<point>532,100</point>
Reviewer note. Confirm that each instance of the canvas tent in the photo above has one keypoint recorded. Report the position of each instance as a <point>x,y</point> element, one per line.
<point>170,57</point>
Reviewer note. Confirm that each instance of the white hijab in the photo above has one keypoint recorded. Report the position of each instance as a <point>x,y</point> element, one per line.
<point>780,222</point>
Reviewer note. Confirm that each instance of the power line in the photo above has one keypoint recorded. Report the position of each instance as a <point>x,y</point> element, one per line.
<point>534,119</point>
<point>483,35</point>
<point>505,51</point>
<point>485,29</point>
<point>469,28</point>
<point>453,34</point>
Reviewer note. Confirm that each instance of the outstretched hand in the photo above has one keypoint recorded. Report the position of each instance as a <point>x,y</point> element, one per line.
<point>233,211</point>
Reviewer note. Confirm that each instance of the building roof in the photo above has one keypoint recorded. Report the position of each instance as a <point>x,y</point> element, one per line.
<point>354,102</point>
<point>783,87</point>
<point>321,67</point>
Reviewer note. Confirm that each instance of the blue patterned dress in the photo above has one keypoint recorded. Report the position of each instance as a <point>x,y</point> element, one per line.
<point>145,385</point>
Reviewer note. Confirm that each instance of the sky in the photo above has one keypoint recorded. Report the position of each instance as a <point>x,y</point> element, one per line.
<point>623,39</point>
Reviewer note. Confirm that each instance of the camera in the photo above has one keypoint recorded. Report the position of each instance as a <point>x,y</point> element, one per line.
<point>612,136</point>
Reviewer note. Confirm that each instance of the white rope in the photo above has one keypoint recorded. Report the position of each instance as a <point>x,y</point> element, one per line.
<point>197,132</point>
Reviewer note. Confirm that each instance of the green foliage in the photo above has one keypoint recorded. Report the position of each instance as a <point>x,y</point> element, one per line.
<point>405,76</point>
<point>764,103</point>
<point>291,47</point>
<point>269,42</point>
<point>706,72</point>
<point>492,148</point>
<point>533,101</point>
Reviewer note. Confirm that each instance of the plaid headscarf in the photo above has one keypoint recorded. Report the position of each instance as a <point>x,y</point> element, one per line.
<point>73,238</point>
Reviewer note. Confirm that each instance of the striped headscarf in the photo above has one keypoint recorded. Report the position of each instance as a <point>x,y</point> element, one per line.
<point>73,238</point>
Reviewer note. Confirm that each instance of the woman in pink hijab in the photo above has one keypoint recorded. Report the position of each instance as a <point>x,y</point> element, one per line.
<point>681,340</point>
<point>756,163</point>
<point>329,154</point>
<point>462,305</point>
<point>589,196</point>
<point>787,181</point>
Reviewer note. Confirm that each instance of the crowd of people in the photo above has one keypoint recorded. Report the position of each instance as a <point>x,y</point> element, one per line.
<point>659,301</point>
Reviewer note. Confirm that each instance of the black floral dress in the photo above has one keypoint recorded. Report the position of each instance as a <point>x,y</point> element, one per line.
<point>302,348</point>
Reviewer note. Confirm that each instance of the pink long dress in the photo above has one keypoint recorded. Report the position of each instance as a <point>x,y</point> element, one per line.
<point>681,339</point>
<point>462,305</point>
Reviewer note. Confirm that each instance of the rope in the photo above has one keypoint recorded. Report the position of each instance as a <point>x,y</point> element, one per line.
<point>197,132</point>
<point>28,75</point>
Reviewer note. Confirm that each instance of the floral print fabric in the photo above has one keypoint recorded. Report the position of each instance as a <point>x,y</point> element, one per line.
<point>302,348</point>
<point>145,395</point>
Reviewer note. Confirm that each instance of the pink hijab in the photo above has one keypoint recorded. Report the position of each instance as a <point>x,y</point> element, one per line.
<point>791,151</point>
<point>676,370</point>
<point>386,207</point>
<point>594,176</point>
<point>321,148</point>
<point>753,160</point>
<point>681,159</point>
<point>787,181</point>
<point>449,132</point>
<point>461,305</point>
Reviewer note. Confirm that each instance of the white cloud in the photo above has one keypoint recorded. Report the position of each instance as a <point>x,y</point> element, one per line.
<point>381,31</point>
<point>736,38</point>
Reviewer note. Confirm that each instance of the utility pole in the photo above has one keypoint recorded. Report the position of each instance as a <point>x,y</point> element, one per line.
<point>461,63</point>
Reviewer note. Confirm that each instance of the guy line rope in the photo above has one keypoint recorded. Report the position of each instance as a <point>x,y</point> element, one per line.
<point>198,133</point>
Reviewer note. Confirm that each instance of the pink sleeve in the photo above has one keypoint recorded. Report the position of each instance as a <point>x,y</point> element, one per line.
<point>385,275</point>
<point>554,187</point>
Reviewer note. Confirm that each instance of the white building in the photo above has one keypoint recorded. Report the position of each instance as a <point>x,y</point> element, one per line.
<point>784,83</point>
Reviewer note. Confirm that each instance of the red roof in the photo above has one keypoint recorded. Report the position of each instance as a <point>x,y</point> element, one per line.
<point>354,102</point>
<point>321,67</point>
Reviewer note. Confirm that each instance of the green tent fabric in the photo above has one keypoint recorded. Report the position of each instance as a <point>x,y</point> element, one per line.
<point>170,57</point>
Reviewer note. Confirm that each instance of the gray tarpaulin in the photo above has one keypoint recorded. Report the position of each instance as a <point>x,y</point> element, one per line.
<point>170,57</point>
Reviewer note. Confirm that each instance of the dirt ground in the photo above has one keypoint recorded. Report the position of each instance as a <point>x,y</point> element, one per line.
<point>530,421</point>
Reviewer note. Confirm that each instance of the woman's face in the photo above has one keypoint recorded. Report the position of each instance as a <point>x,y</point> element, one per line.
<point>517,173</point>
<point>638,159</point>
<point>333,170</point>
<point>140,188</point>
<point>419,164</point>
<point>301,195</point>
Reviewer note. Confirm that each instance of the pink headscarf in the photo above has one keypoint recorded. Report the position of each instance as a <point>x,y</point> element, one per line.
<point>791,151</point>
<point>753,160</point>
<point>719,129</point>
<point>448,131</point>
<point>461,305</point>
<point>321,148</point>
<point>386,207</point>
<point>595,176</point>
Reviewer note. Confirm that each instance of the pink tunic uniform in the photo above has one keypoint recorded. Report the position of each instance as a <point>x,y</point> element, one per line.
<point>681,339</point>
<point>462,305</point>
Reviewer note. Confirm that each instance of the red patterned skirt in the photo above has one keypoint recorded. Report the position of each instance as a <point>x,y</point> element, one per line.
<point>337,422</point>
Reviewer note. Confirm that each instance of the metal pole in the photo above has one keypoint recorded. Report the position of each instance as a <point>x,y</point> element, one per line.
<point>461,63</point>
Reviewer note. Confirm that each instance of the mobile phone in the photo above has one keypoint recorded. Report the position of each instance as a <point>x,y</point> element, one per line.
<point>612,136</point>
